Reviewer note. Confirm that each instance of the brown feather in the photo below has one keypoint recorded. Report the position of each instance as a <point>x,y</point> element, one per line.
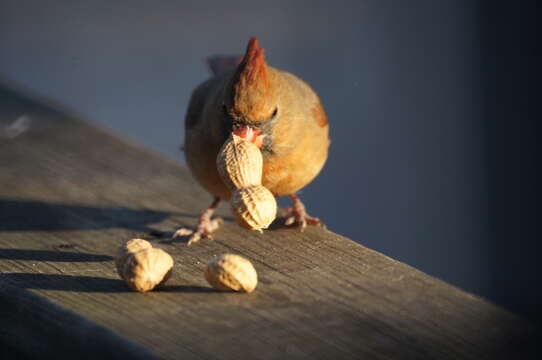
<point>319,115</point>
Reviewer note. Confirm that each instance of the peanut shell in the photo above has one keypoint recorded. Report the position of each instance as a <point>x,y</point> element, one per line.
<point>254,207</point>
<point>126,249</point>
<point>147,269</point>
<point>229,272</point>
<point>239,163</point>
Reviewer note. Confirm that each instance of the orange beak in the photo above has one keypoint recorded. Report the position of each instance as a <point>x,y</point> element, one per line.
<point>250,134</point>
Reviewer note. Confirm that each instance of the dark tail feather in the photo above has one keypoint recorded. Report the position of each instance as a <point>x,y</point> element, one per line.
<point>222,63</point>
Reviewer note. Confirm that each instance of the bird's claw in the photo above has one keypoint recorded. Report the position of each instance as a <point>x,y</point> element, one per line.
<point>204,230</point>
<point>300,218</point>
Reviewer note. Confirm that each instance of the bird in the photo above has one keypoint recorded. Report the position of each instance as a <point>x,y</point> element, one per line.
<point>272,108</point>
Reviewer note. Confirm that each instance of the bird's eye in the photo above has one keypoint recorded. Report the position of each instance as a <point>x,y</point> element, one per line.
<point>275,112</point>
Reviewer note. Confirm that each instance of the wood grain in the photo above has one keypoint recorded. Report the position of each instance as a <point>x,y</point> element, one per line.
<point>71,193</point>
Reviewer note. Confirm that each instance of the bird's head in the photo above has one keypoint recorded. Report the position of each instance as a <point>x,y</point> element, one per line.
<point>251,102</point>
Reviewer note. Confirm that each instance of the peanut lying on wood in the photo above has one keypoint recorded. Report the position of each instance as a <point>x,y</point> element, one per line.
<point>142,266</point>
<point>240,165</point>
<point>229,272</point>
<point>126,250</point>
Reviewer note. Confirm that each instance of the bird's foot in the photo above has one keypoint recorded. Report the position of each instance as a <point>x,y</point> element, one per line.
<point>206,226</point>
<point>298,215</point>
<point>204,230</point>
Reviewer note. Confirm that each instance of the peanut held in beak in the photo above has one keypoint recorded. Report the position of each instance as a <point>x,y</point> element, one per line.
<point>254,207</point>
<point>239,163</point>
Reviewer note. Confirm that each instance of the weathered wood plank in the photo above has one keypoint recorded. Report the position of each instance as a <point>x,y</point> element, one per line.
<point>33,327</point>
<point>70,194</point>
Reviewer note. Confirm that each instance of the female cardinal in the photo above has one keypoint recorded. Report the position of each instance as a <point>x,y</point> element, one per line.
<point>272,108</point>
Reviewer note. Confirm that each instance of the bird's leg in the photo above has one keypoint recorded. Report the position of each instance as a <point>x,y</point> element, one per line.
<point>298,214</point>
<point>206,225</point>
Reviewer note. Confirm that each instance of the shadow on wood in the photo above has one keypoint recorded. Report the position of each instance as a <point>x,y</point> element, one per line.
<point>65,282</point>
<point>51,255</point>
<point>24,215</point>
<point>87,284</point>
<point>34,328</point>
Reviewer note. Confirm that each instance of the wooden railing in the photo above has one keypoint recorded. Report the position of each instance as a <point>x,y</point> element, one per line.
<point>70,194</point>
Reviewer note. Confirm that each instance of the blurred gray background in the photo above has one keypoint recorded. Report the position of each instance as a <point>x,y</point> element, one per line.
<point>407,86</point>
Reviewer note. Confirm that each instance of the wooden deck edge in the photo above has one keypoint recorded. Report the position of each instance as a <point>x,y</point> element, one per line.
<point>34,328</point>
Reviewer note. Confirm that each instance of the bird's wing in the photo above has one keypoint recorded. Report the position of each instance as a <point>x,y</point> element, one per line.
<point>197,102</point>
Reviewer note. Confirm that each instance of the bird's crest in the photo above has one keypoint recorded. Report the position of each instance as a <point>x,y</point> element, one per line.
<point>253,87</point>
<point>253,70</point>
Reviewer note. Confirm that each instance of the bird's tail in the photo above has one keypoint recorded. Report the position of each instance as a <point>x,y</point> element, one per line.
<point>222,63</point>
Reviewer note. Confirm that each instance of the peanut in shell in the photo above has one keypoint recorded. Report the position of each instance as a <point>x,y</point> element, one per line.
<point>125,250</point>
<point>254,207</point>
<point>239,163</point>
<point>230,272</point>
<point>147,269</point>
